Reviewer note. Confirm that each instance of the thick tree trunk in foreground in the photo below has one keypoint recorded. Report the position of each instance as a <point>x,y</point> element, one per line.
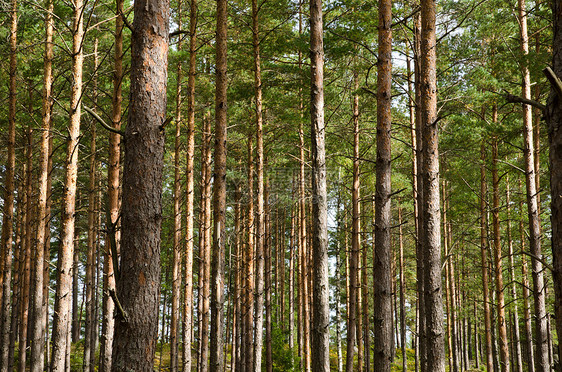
<point>554,121</point>
<point>219,192</point>
<point>61,321</point>
<point>383,342</point>
<point>433,302</point>
<point>138,282</point>
<point>320,350</point>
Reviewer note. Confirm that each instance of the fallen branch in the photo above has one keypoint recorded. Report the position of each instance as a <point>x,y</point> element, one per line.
<point>554,80</point>
<point>118,304</point>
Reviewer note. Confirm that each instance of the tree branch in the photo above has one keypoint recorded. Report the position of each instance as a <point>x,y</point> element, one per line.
<point>100,120</point>
<point>516,99</point>
<point>554,80</point>
<point>118,305</point>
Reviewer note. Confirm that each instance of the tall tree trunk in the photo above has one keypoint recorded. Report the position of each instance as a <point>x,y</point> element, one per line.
<point>39,304</point>
<point>268,279</point>
<point>541,356</point>
<point>484,257</point>
<point>402,292</point>
<point>9,187</point>
<point>431,214</point>
<point>502,323</point>
<point>382,312</point>
<point>451,290</point>
<point>353,314</point>
<point>292,253</point>
<point>138,279</point>
<point>219,191</point>
<point>113,182</point>
<point>320,350</point>
<point>176,264</point>
<point>554,120</point>
<point>90,298</point>
<point>190,190</point>
<point>250,262</point>
<point>525,292</point>
<point>516,331</point>
<point>260,222</point>
<point>420,309</point>
<point>205,248</point>
<point>26,248</point>
<point>61,321</point>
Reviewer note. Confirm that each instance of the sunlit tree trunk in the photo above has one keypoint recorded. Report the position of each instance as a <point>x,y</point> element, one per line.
<point>39,303</point>
<point>260,220</point>
<point>320,331</point>
<point>62,318</point>
<point>541,356</point>
<point>190,191</point>
<point>176,264</point>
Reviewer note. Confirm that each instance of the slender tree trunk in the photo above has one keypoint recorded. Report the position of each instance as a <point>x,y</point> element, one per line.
<point>431,214</point>
<point>532,205</point>
<point>176,264</point>
<point>26,248</point>
<point>484,256</point>
<point>6,239</point>
<point>205,248</point>
<point>516,331</point>
<point>39,304</point>
<point>402,292</point>
<point>525,292</point>
<point>382,281</point>
<point>292,253</point>
<point>268,279</point>
<point>420,326</point>
<point>219,191</point>
<point>113,182</point>
<point>190,190</point>
<point>260,222</point>
<point>235,364</point>
<point>92,235</point>
<point>138,279</point>
<point>554,120</point>
<point>320,350</point>
<point>61,321</point>
<point>502,323</point>
<point>250,262</point>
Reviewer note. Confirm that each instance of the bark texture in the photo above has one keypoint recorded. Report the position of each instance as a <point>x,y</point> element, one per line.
<point>63,297</point>
<point>554,121</point>
<point>138,282</point>
<point>320,350</point>
<point>219,192</point>
<point>433,302</point>
<point>383,342</point>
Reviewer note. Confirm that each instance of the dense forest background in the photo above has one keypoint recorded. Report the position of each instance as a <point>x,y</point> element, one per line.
<point>66,85</point>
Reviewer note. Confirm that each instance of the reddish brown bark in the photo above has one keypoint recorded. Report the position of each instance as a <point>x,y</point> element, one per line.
<point>383,342</point>
<point>138,282</point>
